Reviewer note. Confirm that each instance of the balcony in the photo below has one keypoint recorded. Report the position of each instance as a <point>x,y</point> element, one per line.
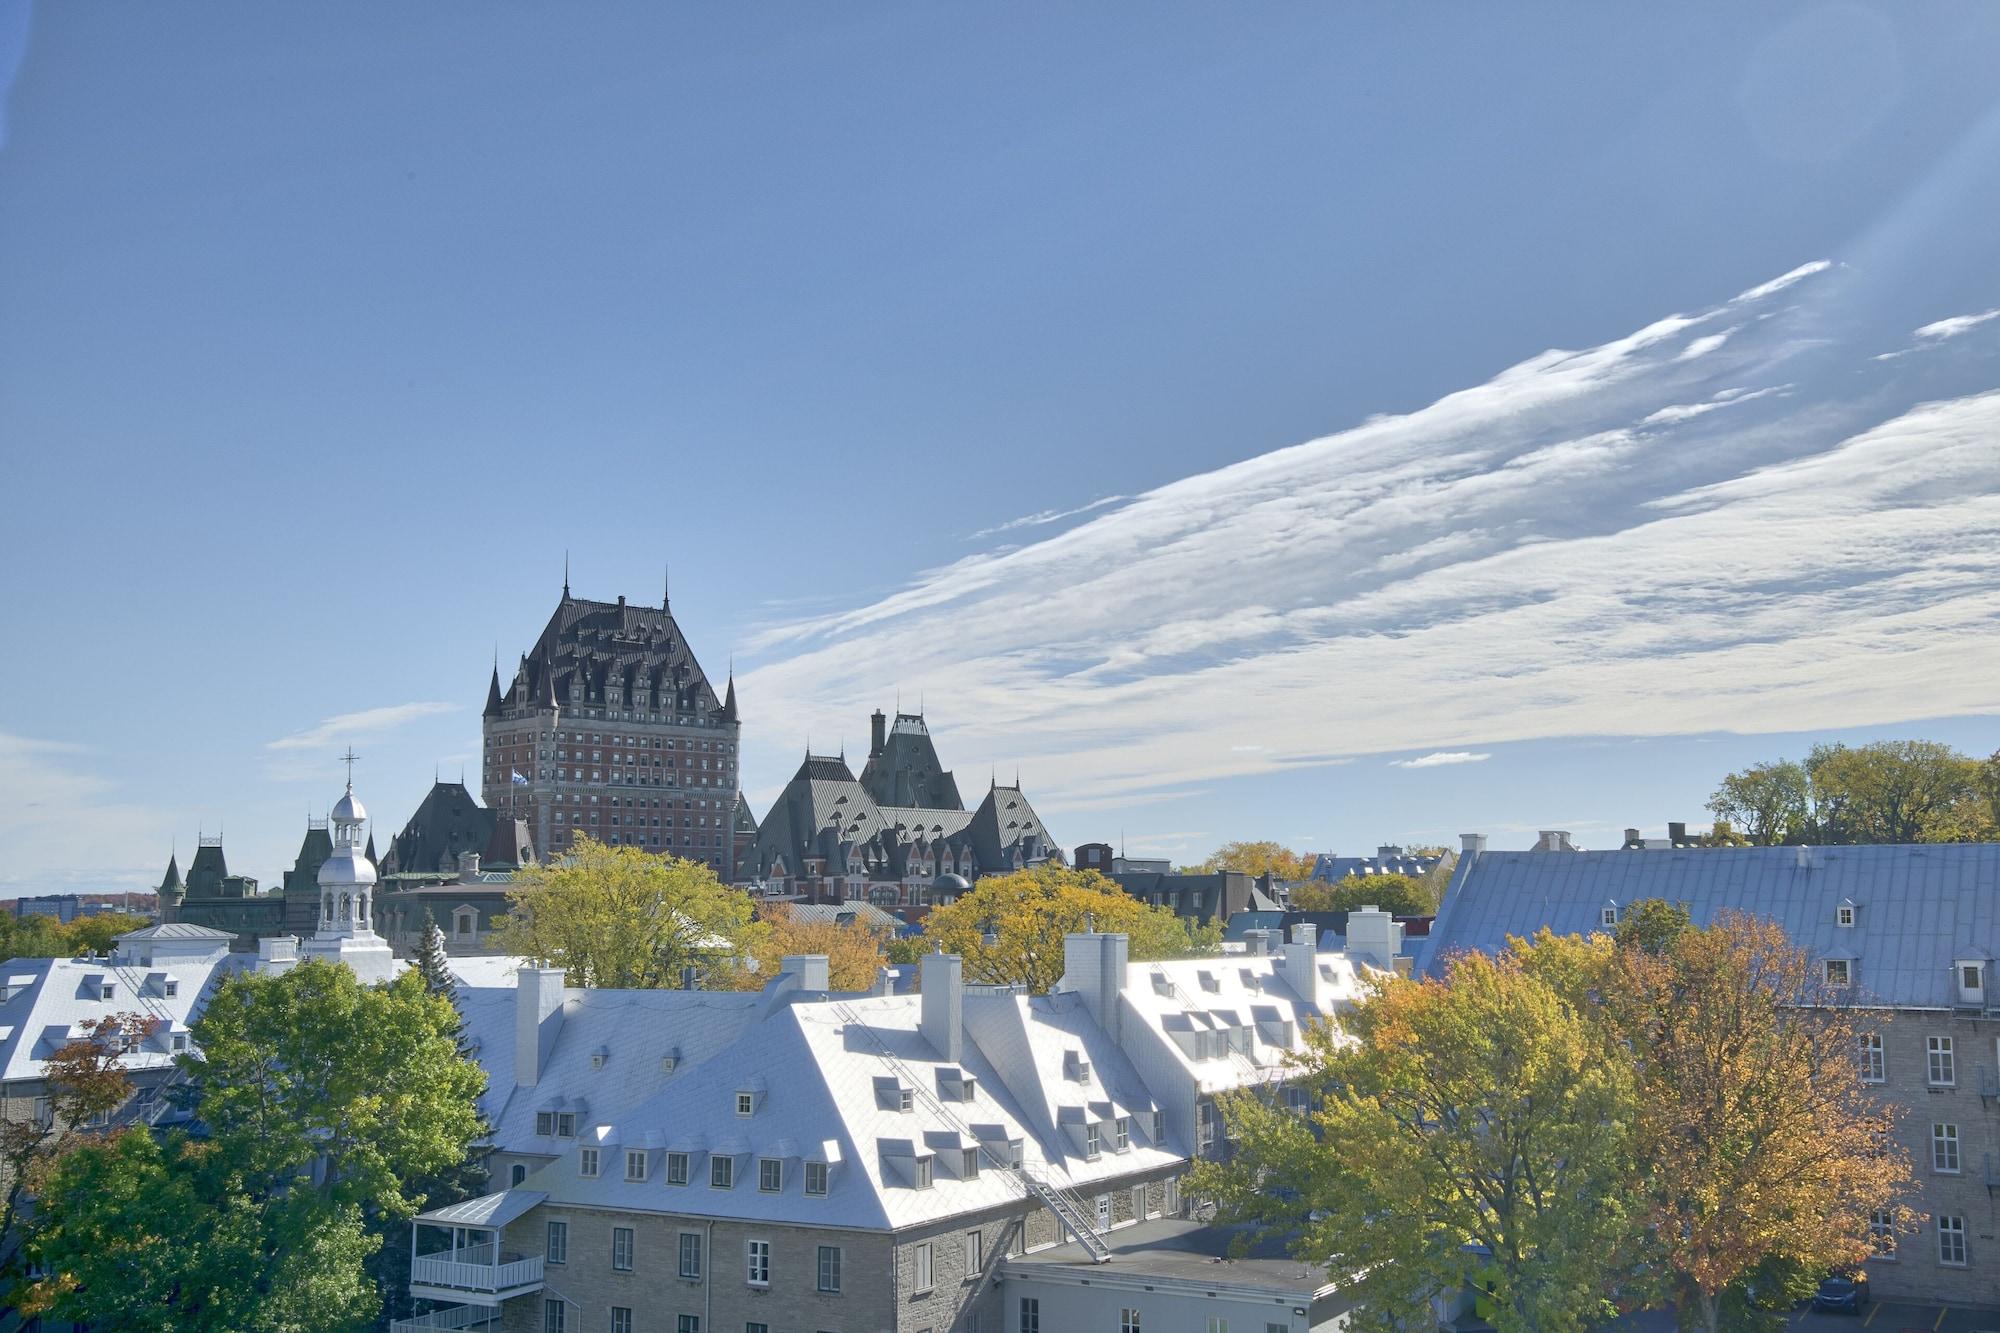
<point>455,1317</point>
<point>460,1278</point>
<point>455,1255</point>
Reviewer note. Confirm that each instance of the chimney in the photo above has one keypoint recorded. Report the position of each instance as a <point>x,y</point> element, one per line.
<point>538,998</point>
<point>1257,943</point>
<point>1554,840</point>
<point>468,864</point>
<point>885,982</point>
<point>1300,964</point>
<point>1094,966</point>
<point>1374,937</point>
<point>810,970</point>
<point>1632,838</point>
<point>1677,834</point>
<point>878,735</point>
<point>278,949</point>
<point>942,1017</point>
<point>1472,844</point>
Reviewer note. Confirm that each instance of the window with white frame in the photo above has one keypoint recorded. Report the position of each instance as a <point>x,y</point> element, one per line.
<point>816,1177</point>
<point>1031,1315</point>
<point>558,1247</point>
<point>923,1262</point>
<point>586,1161</point>
<point>1942,1069</point>
<point>1217,1324</point>
<point>1159,1128</point>
<point>1128,1320</point>
<point>691,1255</point>
<point>635,1164</point>
<point>1872,1064</point>
<point>1882,1233</point>
<point>975,1254</point>
<point>1205,1119</point>
<point>1843,915</point>
<point>1838,972</point>
<point>552,1315</point>
<point>721,1172</point>
<point>757,1263</point>
<point>687,1323</point>
<point>922,1174</point>
<point>1951,1240</point>
<point>1121,1133</point>
<point>1944,1149</point>
<point>621,1249</point>
<point>1090,1139</point>
<point>621,1319</point>
<point>770,1174</point>
<point>677,1168</point>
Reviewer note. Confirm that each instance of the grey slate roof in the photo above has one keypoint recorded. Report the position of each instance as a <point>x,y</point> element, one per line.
<point>838,914</point>
<point>1917,907</point>
<point>596,645</point>
<point>906,771</point>
<point>449,823</point>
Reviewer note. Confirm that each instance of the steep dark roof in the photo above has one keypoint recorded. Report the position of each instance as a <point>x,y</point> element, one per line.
<point>448,824</point>
<point>907,773</point>
<point>589,649</point>
<point>493,693</point>
<point>173,876</point>
<point>510,844</point>
<point>207,871</point>
<point>745,821</point>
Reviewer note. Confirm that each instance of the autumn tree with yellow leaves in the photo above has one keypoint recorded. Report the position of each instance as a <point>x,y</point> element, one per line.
<point>1010,928</point>
<point>1579,1124</point>
<point>855,953</point>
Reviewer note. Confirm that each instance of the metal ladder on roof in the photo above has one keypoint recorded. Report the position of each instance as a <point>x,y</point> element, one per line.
<point>1034,1183</point>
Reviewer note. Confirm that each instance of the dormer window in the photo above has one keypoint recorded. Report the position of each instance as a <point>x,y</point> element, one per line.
<point>920,1178</point>
<point>1607,915</point>
<point>1092,1142</point>
<point>1075,1068</point>
<point>746,1103</point>
<point>1121,1133</point>
<point>969,1166</point>
<point>586,1162</point>
<point>1839,972</point>
<point>635,1164</point>
<point>107,990</point>
<point>599,1056</point>
<point>1843,915</point>
<point>1971,974</point>
<point>173,988</point>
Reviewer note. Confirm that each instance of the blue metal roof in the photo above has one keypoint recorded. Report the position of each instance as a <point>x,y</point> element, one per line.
<point>1918,908</point>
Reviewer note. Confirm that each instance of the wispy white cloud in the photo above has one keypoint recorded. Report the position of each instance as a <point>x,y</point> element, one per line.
<point>1552,552</point>
<point>1045,516</point>
<point>1957,324</point>
<point>353,726</point>
<point>55,811</point>
<point>1441,758</point>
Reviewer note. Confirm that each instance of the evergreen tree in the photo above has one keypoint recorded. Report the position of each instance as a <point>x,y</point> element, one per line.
<point>432,963</point>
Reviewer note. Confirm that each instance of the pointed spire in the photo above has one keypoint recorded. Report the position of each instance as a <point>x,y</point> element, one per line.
<point>493,688</point>
<point>565,574</point>
<point>729,696</point>
<point>667,588</point>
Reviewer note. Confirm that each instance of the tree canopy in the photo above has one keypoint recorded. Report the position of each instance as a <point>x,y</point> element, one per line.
<point>1674,1116</point>
<point>855,954</point>
<point>1469,1132</point>
<point>1027,913</point>
<point>1396,894</point>
<point>1889,791</point>
<point>1260,858</point>
<point>325,1110</point>
<point>621,917</point>
<point>38,936</point>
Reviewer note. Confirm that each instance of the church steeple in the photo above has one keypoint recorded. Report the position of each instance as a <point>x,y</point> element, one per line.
<point>493,689</point>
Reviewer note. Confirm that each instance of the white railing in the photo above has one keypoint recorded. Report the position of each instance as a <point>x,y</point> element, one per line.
<point>458,1316</point>
<point>432,1271</point>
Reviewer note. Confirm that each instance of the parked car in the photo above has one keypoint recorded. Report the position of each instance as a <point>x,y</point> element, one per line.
<point>1843,1292</point>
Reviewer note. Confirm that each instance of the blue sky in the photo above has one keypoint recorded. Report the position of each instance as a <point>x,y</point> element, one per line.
<point>325,331</point>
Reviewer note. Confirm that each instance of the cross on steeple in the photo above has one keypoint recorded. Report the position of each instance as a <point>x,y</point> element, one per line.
<point>349,759</point>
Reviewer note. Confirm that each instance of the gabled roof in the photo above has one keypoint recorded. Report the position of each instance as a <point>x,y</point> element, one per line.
<point>1926,902</point>
<point>176,930</point>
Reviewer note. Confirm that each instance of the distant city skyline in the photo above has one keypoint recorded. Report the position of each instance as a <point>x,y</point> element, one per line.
<point>1167,407</point>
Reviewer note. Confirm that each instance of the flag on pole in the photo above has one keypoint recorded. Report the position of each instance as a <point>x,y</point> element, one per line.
<point>519,781</point>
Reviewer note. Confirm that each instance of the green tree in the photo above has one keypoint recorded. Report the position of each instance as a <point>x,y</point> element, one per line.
<point>433,964</point>
<point>1892,791</point>
<point>1027,913</point>
<point>315,1082</point>
<point>1767,803</point>
<point>620,917</point>
<point>1397,894</point>
<point>160,1236</point>
<point>85,1081</point>
<point>1471,1132</point>
<point>1260,858</point>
